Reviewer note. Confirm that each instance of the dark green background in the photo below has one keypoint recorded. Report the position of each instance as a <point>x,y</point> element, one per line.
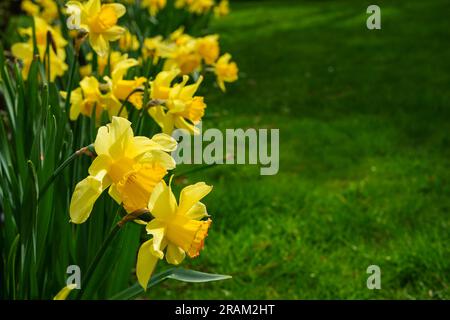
<point>364,150</point>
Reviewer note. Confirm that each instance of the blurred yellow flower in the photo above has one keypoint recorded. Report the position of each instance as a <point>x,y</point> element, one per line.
<point>225,70</point>
<point>177,228</point>
<point>208,48</point>
<point>222,9</point>
<point>201,6</point>
<point>185,57</point>
<point>120,89</point>
<point>24,50</point>
<point>153,48</point>
<point>128,42</point>
<point>153,6</point>
<point>195,6</point>
<point>100,21</point>
<point>46,9</point>
<point>181,108</point>
<point>130,166</point>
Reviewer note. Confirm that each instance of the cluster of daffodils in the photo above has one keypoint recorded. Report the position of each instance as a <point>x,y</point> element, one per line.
<point>192,55</point>
<point>132,168</point>
<point>112,84</point>
<point>198,7</point>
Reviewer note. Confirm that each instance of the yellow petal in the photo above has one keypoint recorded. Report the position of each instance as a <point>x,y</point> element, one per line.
<point>165,121</point>
<point>174,254</point>
<point>114,138</point>
<point>100,163</point>
<point>114,33</point>
<point>119,9</point>
<point>115,194</point>
<point>86,193</point>
<point>188,91</point>
<point>99,44</point>
<point>146,263</point>
<point>160,158</point>
<point>197,212</point>
<point>157,229</point>
<point>166,142</point>
<point>192,194</point>
<point>181,123</point>
<point>62,295</point>
<point>162,203</point>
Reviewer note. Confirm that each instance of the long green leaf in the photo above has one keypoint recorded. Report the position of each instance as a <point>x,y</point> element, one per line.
<point>173,273</point>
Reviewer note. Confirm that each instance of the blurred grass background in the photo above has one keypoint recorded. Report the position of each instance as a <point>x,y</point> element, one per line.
<point>364,175</point>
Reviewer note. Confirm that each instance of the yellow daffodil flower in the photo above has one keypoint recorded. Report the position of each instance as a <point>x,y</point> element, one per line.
<point>225,71</point>
<point>84,98</point>
<point>222,9</point>
<point>100,21</point>
<point>24,50</point>
<point>120,89</point>
<point>130,166</point>
<point>154,6</point>
<point>177,228</point>
<point>208,48</point>
<point>182,110</point>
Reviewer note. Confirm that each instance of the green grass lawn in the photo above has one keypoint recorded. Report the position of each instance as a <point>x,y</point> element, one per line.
<point>364,175</point>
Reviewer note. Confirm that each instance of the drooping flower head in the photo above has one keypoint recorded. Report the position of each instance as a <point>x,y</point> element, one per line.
<point>129,166</point>
<point>99,20</point>
<point>178,229</point>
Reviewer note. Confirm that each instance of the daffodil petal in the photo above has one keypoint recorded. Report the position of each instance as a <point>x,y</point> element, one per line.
<point>86,193</point>
<point>174,254</point>
<point>159,157</point>
<point>197,212</point>
<point>146,263</point>
<point>192,194</point>
<point>100,163</point>
<point>157,229</point>
<point>162,202</point>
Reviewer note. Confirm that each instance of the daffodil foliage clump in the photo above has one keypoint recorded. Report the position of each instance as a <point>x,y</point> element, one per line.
<point>90,95</point>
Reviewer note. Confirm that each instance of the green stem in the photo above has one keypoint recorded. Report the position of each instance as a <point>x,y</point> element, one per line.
<point>97,258</point>
<point>56,173</point>
<point>126,99</point>
<point>58,170</point>
<point>71,76</point>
